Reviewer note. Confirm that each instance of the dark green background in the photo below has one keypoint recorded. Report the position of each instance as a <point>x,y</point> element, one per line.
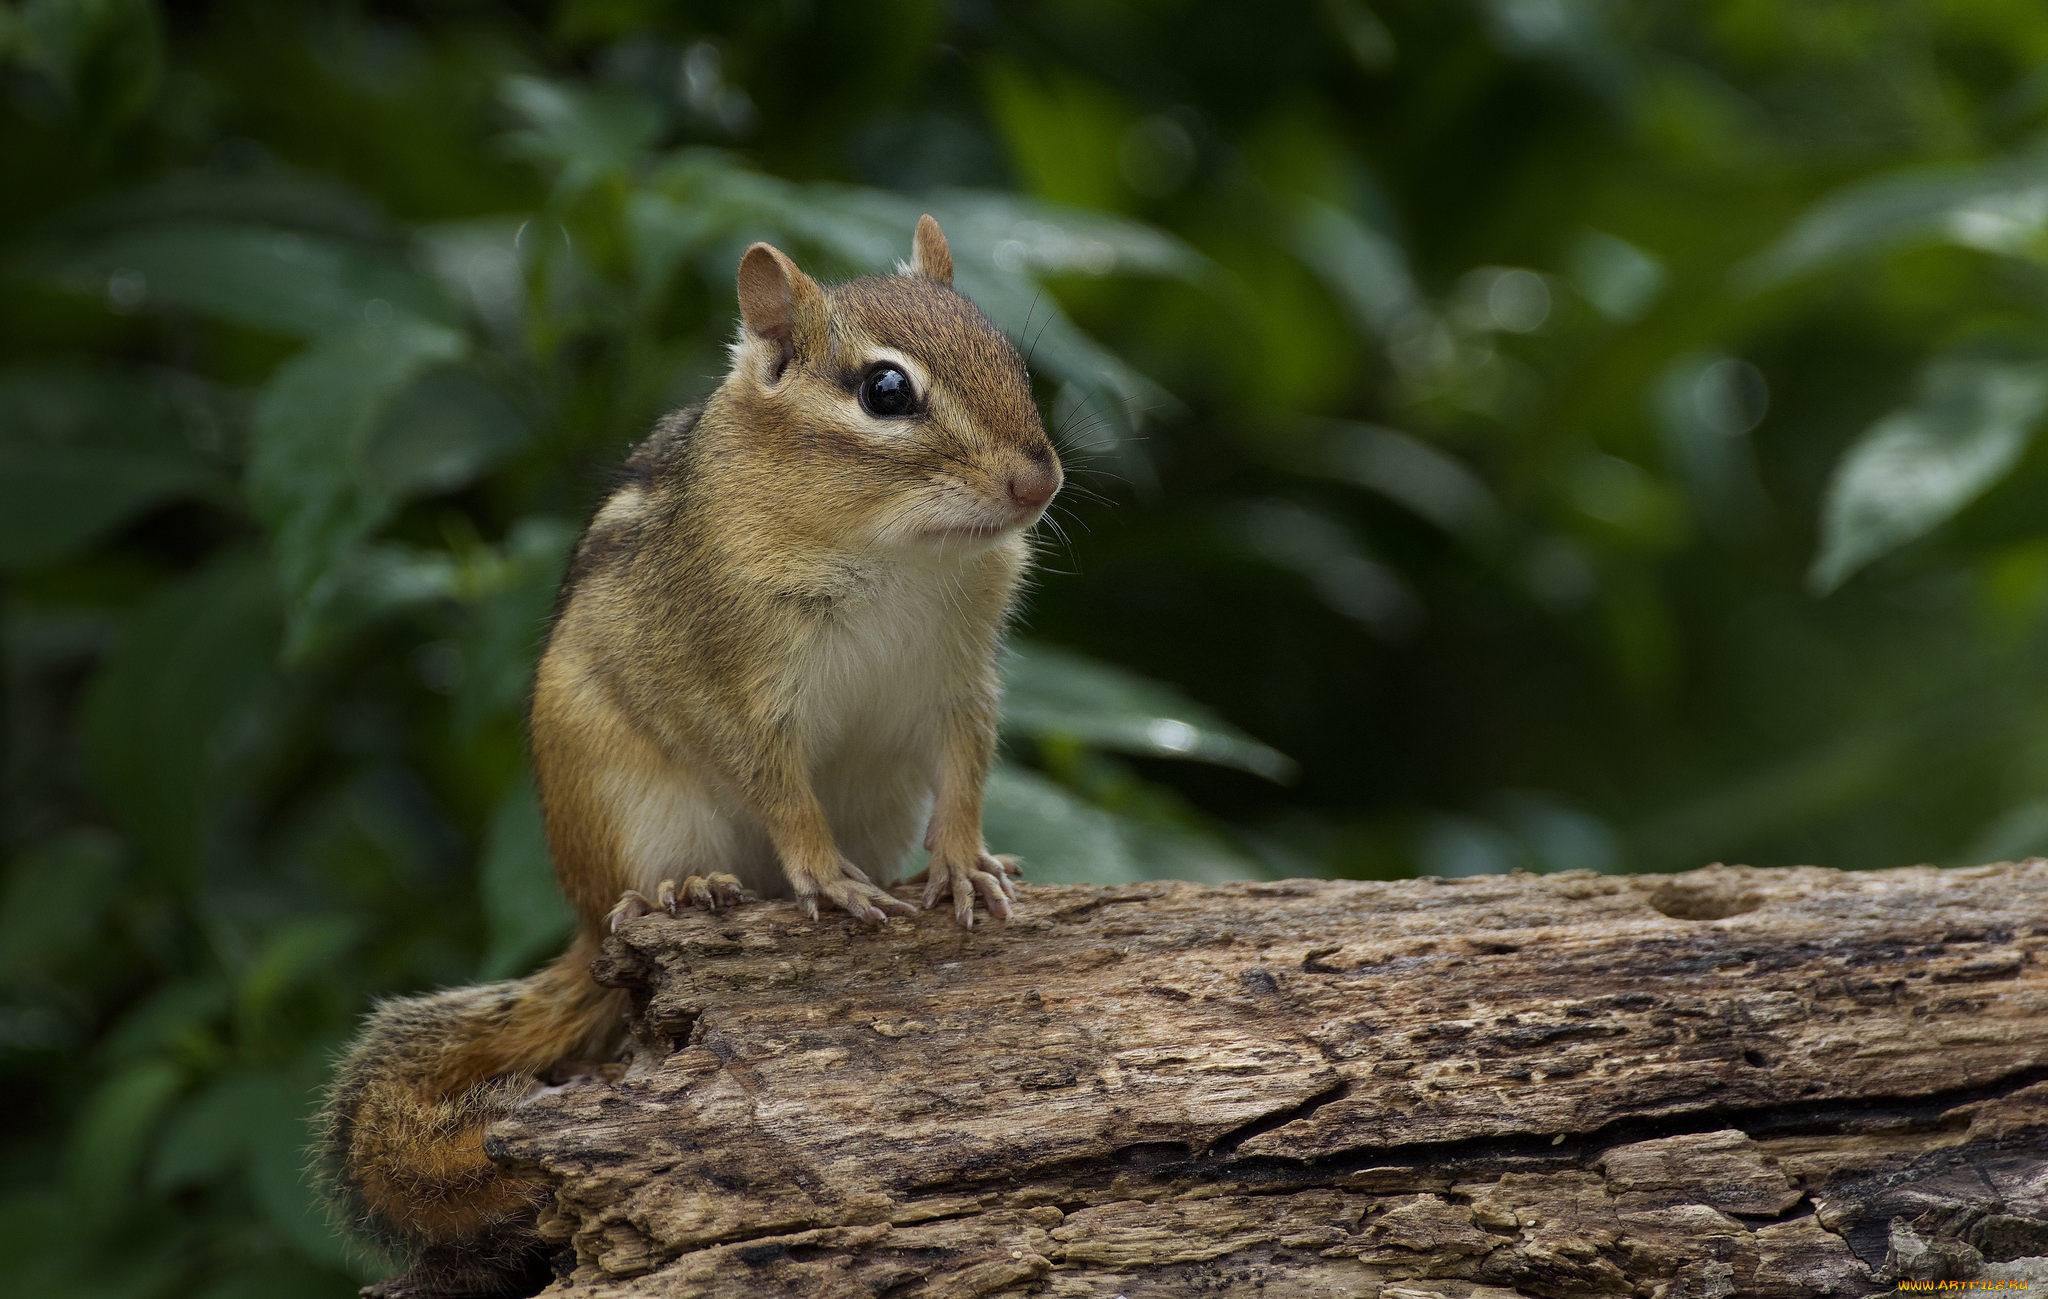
<point>1505,433</point>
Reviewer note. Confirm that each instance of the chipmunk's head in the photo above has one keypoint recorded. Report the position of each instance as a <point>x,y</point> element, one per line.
<point>892,402</point>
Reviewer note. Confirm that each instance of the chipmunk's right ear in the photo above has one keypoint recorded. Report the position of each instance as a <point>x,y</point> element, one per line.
<point>929,255</point>
<point>780,305</point>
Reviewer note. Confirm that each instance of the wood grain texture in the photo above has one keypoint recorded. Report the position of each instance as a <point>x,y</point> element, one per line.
<point>1728,1082</point>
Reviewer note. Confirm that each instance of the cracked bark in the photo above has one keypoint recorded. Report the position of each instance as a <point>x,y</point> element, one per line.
<point>1728,1082</point>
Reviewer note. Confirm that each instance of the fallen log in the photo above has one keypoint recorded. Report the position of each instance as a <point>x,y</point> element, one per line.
<point>1728,1082</point>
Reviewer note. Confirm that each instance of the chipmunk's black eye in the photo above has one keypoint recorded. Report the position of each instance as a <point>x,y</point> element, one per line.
<point>888,393</point>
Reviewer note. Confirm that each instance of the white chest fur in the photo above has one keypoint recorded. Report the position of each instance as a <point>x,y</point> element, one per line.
<point>882,666</point>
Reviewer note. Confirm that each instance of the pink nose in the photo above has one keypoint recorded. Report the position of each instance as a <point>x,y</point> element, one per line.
<point>1033,488</point>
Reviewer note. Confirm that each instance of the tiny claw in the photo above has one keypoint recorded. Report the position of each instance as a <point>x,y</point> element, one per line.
<point>994,893</point>
<point>871,904</point>
<point>728,890</point>
<point>888,904</point>
<point>987,877</point>
<point>631,906</point>
<point>665,897</point>
<point>998,872</point>
<point>848,887</point>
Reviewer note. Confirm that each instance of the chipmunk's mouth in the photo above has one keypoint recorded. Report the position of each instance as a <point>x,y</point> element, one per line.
<point>982,528</point>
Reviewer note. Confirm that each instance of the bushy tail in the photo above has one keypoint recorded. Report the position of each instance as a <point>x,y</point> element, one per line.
<point>403,1129</point>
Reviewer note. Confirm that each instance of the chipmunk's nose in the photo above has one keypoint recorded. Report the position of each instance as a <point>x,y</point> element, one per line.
<point>1031,488</point>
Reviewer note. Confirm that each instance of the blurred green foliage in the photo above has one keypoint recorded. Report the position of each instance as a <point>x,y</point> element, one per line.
<point>1539,433</point>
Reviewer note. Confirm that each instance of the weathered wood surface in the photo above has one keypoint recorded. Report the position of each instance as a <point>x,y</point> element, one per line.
<point>1729,1082</point>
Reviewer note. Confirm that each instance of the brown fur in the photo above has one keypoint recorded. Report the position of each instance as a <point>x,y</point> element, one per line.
<point>775,648</point>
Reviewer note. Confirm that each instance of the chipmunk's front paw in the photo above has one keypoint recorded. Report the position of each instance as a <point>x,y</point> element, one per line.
<point>632,905</point>
<point>713,892</point>
<point>963,879</point>
<point>849,889</point>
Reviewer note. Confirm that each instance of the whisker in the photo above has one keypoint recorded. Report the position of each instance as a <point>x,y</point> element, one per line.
<point>1066,543</point>
<point>1086,494</point>
<point>1098,444</point>
<point>1078,522</point>
<point>1043,326</point>
<point>1031,347</point>
<point>1087,472</point>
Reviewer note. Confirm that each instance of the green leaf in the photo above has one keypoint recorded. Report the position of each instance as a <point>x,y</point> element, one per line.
<point>57,899</point>
<point>108,56</point>
<point>272,196</point>
<point>284,281</point>
<point>113,1134</point>
<point>1038,238</point>
<point>1915,468</point>
<point>1624,497</point>
<point>372,581</point>
<point>179,1018</point>
<point>665,234</point>
<point>479,263</point>
<point>1061,839</point>
<point>1064,839</point>
<point>279,1119</point>
<point>1327,553</point>
<point>1052,692</point>
<point>1166,852</point>
<point>295,954</point>
<point>523,908</point>
<point>512,593</point>
<point>1061,127</point>
<point>313,472</point>
<point>584,132</point>
<point>1364,268</point>
<point>2019,832</point>
<point>1618,278</point>
<point>190,659</point>
<point>84,450</point>
<point>208,1135</point>
<point>1426,479</point>
<point>443,432</point>
<point>2000,207</point>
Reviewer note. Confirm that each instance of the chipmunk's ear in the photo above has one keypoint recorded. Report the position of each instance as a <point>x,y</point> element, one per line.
<point>929,255</point>
<point>779,304</point>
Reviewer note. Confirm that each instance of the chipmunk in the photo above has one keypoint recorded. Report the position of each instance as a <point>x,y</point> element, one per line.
<point>773,661</point>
